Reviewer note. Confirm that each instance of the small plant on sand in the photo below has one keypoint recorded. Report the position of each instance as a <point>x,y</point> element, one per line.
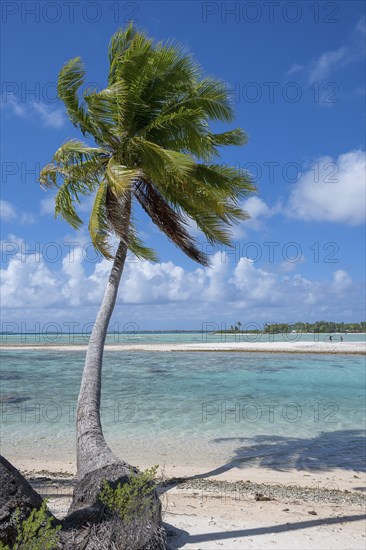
<point>36,532</point>
<point>134,511</point>
<point>132,499</point>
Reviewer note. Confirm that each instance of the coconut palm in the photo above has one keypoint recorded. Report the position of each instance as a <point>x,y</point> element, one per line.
<point>152,146</point>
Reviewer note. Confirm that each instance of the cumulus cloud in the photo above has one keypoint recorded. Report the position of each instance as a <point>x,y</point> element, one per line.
<point>27,282</point>
<point>164,294</point>
<point>286,267</point>
<point>341,280</point>
<point>333,192</point>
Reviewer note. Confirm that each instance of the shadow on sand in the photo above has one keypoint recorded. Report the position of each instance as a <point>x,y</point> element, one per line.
<point>181,537</point>
<point>343,449</point>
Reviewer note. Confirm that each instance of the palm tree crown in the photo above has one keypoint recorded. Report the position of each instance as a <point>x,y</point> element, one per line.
<point>153,145</point>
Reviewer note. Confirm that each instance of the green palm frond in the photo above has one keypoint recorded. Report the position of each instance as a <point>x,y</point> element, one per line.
<point>232,137</point>
<point>107,112</point>
<point>118,45</point>
<point>70,79</point>
<point>120,178</point>
<point>184,130</point>
<point>64,206</point>
<point>232,182</point>
<point>214,229</point>
<point>137,247</point>
<point>162,163</point>
<point>48,175</point>
<point>99,223</point>
<point>154,144</point>
<point>210,96</point>
<point>169,221</point>
<point>75,151</point>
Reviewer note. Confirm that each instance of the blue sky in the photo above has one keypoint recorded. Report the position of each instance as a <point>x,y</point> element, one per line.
<point>296,75</point>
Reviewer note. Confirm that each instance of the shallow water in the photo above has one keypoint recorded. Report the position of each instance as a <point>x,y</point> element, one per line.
<point>275,410</point>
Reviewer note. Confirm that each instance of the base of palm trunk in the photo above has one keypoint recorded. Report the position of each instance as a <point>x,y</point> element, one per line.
<point>15,494</point>
<point>89,525</point>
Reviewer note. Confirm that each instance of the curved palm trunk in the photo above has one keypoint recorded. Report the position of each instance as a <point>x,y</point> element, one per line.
<point>92,449</point>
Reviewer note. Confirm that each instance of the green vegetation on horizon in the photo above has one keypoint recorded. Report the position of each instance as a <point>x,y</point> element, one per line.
<point>317,327</point>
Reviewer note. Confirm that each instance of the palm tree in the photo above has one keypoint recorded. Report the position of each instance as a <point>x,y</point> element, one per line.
<point>153,146</point>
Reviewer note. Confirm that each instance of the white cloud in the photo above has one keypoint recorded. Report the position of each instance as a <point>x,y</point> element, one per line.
<point>165,294</point>
<point>7,211</point>
<point>332,190</point>
<point>328,62</point>
<point>48,205</point>
<point>256,207</point>
<point>27,282</point>
<point>287,267</point>
<point>27,217</point>
<point>72,267</point>
<point>13,105</point>
<point>259,211</point>
<point>295,68</point>
<point>341,280</point>
<point>48,115</point>
<point>9,214</point>
<point>324,66</point>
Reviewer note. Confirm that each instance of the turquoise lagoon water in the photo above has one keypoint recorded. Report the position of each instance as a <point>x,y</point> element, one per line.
<point>275,410</point>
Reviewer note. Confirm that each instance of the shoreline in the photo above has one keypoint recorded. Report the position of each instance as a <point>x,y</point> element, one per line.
<point>337,479</point>
<point>343,348</point>
<point>256,508</point>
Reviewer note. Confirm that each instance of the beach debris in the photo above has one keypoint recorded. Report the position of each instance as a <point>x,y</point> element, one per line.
<point>261,497</point>
<point>286,510</point>
<point>312,512</point>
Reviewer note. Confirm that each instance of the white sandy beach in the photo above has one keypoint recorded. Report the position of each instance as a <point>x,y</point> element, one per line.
<point>358,348</point>
<point>221,511</point>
